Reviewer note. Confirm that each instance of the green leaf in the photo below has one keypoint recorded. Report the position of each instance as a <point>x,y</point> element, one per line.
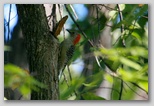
<point>112,64</point>
<point>144,85</point>
<point>89,85</point>
<point>130,63</point>
<point>127,75</point>
<point>137,36</point>
<point>91,96</point>
<point>122,6</point>
<point>112,14</point>
<point>133,76</point>
<point>17,78</point>
<point>66,92</point>
<point>25,90</point>
<point>115,89</point>
<point>94,82</point>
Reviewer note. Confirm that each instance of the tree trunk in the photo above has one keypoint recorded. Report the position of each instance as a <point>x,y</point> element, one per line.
<point>42,50</point>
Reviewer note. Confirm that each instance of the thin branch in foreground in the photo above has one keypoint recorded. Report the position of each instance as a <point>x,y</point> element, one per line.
<point>115,75</point>
<point>60,13</point>
<point>121,90</point>
<point>139,87</point>
<point>8,39</point>
<point>123,42</point>
<point>65,79</point>
<point>112,89</point>
<point>69,72</point>
<point>121,18</point>
<point>135,91</point>
<point>122,26</point>
<point>74,12</point>
<point>133,26</point>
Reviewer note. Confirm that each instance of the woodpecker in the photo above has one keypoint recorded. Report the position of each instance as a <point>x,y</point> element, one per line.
<point>66,50</point>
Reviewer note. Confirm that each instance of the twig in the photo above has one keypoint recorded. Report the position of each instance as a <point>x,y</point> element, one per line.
<point>121,18</point>
<point>98,21</point>
<point>123,42</point>
<point>107,7</point>
<point>60,11</point>
<point>8,42</point>
<point>65,79</point>
<point>112,73</point>
<point>69,72</point>
<point>144,17</point>
<point>68,84</point>
<point>122,26</point>
<point>133,26</point>
<point>74,12</point>
<point>112,89</point>
<point>20,97</point>
<point>9,22</point>
<point>13,17</point>
<point>71,79</point>
<point>139,87</point>
<point>135,91</point>
<point>121,90</point>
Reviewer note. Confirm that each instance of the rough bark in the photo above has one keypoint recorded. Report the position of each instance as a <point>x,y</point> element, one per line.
<point>42,49</point>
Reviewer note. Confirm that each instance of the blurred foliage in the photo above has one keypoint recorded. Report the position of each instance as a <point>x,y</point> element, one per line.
<point>91,96</point>
<point>17,78</point>
<point>7,48</point>
<point>72,88</point>
<point>127,58</point>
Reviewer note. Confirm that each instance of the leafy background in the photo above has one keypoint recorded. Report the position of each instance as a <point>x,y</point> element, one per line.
<point>123,65</point>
